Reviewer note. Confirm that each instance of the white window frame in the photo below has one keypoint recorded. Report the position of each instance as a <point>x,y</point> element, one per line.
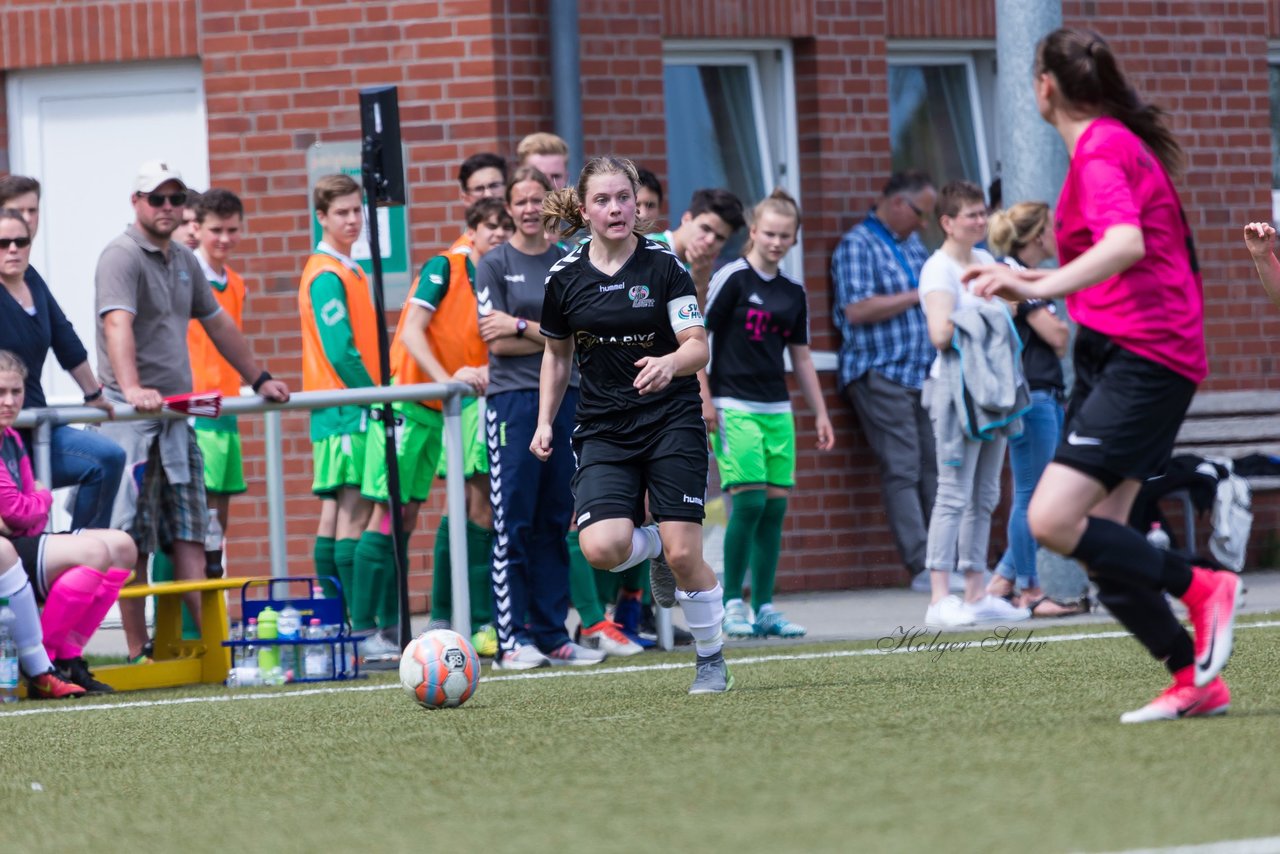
<point>779,154</point>
<point>953,53</point>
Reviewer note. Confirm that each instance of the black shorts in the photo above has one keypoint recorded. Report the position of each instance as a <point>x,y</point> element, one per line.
<point>612,479</point>
<point>31,551</point>
<point>1124,413</point>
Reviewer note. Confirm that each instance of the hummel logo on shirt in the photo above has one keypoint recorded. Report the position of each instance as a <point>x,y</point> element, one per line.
<point>514,277</point>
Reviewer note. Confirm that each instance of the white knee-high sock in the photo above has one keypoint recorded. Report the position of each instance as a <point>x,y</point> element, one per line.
<point>704,612</point>
<point>645,545</point>
<point>30,639</point>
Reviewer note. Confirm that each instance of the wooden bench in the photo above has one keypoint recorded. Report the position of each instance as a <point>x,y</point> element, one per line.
<point>1230,424</point>
<point>177,661</point>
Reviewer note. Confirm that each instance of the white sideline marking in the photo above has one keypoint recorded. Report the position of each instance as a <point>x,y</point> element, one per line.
<point>557,673</point>
<point>1261,845</point>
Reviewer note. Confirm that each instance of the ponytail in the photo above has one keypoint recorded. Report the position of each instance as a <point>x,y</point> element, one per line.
<point>1088,75</point>
<point>562,212</point>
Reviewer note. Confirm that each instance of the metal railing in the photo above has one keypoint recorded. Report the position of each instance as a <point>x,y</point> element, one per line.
<point>42,422</point>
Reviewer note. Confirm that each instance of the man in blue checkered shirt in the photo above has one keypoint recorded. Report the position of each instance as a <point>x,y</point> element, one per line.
<point>885,354</point>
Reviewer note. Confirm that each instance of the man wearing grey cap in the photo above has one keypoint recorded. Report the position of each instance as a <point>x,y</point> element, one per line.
<point>148,288</point>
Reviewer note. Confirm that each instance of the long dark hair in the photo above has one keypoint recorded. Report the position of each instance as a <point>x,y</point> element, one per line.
<point>1088,74</point>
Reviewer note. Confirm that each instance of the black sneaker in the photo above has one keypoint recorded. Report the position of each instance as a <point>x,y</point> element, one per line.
<point>76,670</point>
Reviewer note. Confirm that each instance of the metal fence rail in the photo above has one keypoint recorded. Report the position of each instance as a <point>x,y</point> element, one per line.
<point>451,394</point>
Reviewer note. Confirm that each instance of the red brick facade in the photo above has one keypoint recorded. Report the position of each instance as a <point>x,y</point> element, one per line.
<point>282,74</point>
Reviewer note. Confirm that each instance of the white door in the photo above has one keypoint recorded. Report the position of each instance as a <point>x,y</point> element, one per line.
<point>83,131</point>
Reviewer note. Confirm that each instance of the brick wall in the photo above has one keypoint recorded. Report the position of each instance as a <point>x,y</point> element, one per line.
<point>281,75</point>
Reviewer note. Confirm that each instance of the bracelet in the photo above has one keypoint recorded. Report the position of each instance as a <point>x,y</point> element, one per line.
<point>92,396</point>
<point>262,378</point>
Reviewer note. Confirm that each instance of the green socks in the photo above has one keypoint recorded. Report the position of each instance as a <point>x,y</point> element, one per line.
<point>739,537</point>
<point>322,554</point>
<point>582,584</point>
<point>368,559</point>
<point>479,586</point>
<point>344,556</point>
<point>479,564</point>
<point>376,597</point>
<point>388,602</point>
<point>441,590</point>
<point>765,551</point>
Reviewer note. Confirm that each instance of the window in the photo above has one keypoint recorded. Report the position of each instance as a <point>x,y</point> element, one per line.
<point>1274,70</point>
<point>937,119</point>
<point>731,123</point>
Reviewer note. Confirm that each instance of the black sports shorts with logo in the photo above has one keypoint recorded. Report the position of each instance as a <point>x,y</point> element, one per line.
<point>613,477</point>
<point>1124,413</point>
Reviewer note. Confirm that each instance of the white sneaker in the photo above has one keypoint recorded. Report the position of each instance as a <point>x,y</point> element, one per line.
<point>948,613</point>
<point>992,608</point>
<point>378,648</point>
<point>607,637</point>
<point>523,657</point>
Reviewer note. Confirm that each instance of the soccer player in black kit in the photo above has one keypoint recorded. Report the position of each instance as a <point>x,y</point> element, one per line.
<point>629,310</point>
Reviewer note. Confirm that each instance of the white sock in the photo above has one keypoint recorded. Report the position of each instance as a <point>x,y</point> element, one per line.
<point>704,612</point>
<point>645,545</point>
<point>29,639</point>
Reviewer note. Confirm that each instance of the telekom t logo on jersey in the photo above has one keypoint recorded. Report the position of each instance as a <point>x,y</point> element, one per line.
<point>758,323</point>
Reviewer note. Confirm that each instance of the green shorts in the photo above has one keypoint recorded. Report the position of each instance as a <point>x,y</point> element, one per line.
<point>223,461</point>
<point>475,450</point>
<point>338,462</point>
<point>755,449</point>
<point>418,443</point>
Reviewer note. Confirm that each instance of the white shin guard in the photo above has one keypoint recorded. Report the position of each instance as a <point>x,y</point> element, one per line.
<point>704,612</point>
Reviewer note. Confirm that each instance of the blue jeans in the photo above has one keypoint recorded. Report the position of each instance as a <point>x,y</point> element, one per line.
<point>1029,454</point>
<point>94,464</point>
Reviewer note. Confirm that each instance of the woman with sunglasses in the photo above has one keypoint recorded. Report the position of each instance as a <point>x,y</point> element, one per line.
<point>31,325</point>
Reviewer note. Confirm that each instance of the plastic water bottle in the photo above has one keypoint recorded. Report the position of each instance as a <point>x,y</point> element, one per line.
<point>248,669</point>
<point>1158,537</point>
<point>237,652</point>
<point>269,653</point>
<point>8,654</point>
<point>290,628</point>
<point>213,547</point>
<point>318,659</point>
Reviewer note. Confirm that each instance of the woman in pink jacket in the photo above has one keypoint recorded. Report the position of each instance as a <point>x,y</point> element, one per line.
<point>77,576</point>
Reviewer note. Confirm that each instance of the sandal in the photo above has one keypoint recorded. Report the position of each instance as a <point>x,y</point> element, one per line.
<point>1047,606</point>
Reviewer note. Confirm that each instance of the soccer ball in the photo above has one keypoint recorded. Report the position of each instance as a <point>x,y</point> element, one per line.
<point>440,669</point>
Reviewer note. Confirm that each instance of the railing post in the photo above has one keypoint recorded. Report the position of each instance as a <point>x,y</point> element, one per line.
<point>43,440</point>
<point>276,540</point>
<point>456,507</point>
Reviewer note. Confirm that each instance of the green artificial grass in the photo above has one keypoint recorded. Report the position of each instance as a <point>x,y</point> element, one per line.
<point>962,750</point>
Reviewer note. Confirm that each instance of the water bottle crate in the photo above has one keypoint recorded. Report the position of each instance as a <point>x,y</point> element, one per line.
<point>344,661</point>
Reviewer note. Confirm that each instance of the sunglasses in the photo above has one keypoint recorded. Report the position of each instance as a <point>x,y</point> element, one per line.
<point>915,209</point>
<point>20,242</point>
<point>157,200</point>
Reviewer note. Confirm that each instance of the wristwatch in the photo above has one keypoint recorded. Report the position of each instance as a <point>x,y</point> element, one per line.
<point>521,326</point>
